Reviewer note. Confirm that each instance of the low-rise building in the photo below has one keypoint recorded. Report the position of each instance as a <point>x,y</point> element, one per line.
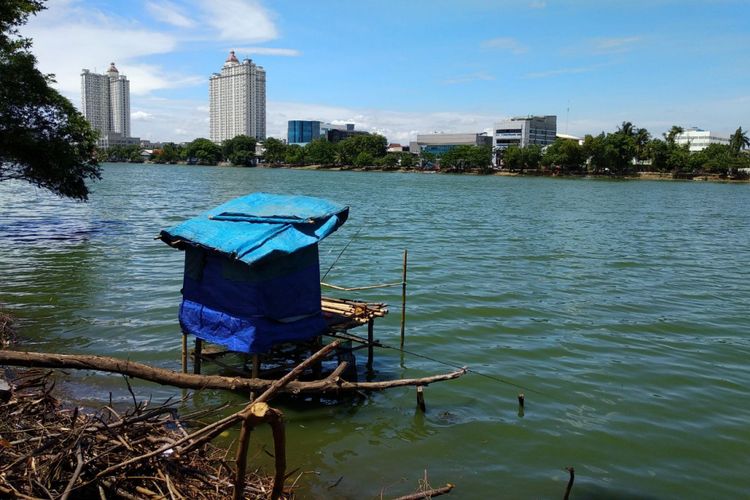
<point>698,139</point>
<point>439,144</point>
<point>523,131</point>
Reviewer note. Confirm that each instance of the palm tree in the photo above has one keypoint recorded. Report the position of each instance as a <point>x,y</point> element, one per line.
<point>672,134</point>
<point>627,129</point>
<point>739,140</point>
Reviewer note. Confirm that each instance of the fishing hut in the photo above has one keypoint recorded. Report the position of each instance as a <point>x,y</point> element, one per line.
<point>252,286</point>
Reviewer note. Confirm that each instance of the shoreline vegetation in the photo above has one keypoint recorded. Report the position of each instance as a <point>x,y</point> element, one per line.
<point>627,153</point>
<point>636,176</point>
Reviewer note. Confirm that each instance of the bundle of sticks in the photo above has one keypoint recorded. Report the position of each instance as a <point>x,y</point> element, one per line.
<point>49,451</point>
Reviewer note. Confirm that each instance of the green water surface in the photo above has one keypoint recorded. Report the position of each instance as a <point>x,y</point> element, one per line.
<point>620,307</point>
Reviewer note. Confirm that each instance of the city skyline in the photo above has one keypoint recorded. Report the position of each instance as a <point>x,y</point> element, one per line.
<point>421,67</point>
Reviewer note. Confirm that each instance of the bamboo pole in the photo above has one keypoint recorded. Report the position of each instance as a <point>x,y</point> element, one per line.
<point>370,332</point>
<point>184,352</point>
<point>403,299</point>
<point>197,356</point>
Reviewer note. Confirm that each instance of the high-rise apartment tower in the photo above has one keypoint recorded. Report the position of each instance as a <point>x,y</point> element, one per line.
<point>237,100</point>
<point>105,102</point>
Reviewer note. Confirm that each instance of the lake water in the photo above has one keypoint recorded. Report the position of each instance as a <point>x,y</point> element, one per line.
<point>621,308</point>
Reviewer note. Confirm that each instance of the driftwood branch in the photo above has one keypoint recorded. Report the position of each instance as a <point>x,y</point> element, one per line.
<point>428,494</point>
<point>192,381</point>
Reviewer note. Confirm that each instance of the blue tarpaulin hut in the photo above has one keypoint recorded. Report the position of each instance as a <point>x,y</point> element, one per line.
<point>252,275</point>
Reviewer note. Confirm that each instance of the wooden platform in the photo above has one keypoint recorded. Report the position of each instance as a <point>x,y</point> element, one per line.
<point>342,314</point>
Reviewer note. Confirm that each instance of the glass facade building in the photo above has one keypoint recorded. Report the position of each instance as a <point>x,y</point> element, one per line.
<point>302,131</point>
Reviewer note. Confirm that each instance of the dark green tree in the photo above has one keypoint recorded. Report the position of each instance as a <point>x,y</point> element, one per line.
<point>43,138</point>
<point>672,134</point>
<point>739,140</point>
<point>364,159</point>
<point>406,160</point>
<point>203,152</point>
<point>320,152</point>
<point>658,152</point>
<point>564,154</point>
<point>275,151</point>
<point>295,154</point>
<point>239,150</point>
<point>169,153</point>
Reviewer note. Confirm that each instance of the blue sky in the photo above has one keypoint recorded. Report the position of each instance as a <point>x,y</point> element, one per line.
<point>402,68</point>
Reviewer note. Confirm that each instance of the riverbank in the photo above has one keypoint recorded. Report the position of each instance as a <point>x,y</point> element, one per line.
<point>648,176</point>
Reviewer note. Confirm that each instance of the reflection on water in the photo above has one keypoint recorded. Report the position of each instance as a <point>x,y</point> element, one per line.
<point>621,307</point>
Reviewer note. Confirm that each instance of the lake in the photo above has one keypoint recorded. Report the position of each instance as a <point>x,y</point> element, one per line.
<point>619,307</point>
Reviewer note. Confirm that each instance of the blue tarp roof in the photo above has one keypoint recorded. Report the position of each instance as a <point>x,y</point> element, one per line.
<point>253,227</point>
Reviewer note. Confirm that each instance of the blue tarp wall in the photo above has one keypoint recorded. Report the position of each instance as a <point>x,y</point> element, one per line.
<point>252,275</point>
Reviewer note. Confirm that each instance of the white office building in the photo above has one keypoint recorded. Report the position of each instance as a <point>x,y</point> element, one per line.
<point>237,100</point>
<point>525,130</point>
<point>105,103</point>
<point>699,139</point>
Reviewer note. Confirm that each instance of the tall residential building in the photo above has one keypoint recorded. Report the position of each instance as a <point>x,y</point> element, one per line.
<point>525,130</point>
<point>105,103</point>
<point>237,100</point>
<point>698,139</point>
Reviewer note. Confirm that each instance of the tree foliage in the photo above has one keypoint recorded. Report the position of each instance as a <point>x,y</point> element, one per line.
<point>43,138</point>
<point>466,157</point>
<point>275,151</point>
<point>239,150</point>
<point>203,152</point>
<point>565,156</point>
<point>739,140</point>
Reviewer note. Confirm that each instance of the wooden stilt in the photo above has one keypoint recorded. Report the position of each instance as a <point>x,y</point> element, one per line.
<point>521,402</point>
<point>370,329</point>
<point>241,460</point>
<point>197,355</point>
<point>256,366</point>
<point>254,372</point>
<point>184,352</point>
<point>403,299</point>
<point>420,399</point>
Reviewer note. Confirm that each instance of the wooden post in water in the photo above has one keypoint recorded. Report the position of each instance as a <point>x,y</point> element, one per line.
<point>184,352</point>
<point>370,328</point>
<point>420,399</point>
<point>403,299</point>
<point>197,354</point>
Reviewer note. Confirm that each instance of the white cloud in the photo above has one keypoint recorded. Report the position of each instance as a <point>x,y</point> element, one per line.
<point>169,13</point>
<point>268,51</point>
<point>614,45</point>
<point>505,43</point>
<point>239,21</point>
<point>471,77</point>
<point>141,116</point>
<point>68,38</point>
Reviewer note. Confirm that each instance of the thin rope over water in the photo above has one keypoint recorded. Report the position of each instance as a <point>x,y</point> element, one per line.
<point>342,253</point>
<point>468,370</point>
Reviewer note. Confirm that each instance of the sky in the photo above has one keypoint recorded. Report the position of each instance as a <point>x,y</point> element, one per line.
<point>405,67</point>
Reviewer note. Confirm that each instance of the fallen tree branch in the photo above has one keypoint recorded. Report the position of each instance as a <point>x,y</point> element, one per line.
<point>428,494</point>
<point>192,381</point>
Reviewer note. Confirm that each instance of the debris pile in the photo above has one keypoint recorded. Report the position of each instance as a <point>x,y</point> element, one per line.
<point>49,451</point>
